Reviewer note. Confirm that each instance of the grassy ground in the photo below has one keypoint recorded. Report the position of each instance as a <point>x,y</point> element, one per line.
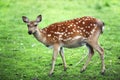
<point>22,57</point>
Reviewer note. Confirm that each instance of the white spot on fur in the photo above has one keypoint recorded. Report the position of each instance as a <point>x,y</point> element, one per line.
<point>49,35</point>
<point>66,30</point>
<point>91,24</point>
<point>93,31</point>
<point>86,19</point>
<point>68,26</point>
<point>74,25</point>
<point>81,28</point>
<point>88,26</point>
<point>77,31</point>
<point>65,34</point>
<point>84,30</point>
<point>59,33</point>
<point>76,37</point>
<point>71,32</point>
<point>83,22</point>
<point>74,30</point>
<point>87,33</point>
<point>76,22</point>
<point>78,26</point>
<point>79,21</point>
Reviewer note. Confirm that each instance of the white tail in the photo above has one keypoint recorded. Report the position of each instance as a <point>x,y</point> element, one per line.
<point>71,34</point>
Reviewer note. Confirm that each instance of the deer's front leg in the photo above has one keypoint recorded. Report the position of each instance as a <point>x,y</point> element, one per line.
<point>55,53</point>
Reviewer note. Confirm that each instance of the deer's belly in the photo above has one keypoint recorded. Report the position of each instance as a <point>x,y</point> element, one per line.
<point>74,45</point>
<point>71,43</point>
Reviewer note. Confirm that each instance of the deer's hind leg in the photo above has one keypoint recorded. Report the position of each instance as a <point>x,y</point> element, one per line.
<point>63,58</point>
<point>90,54</point>
<point>100,50</point>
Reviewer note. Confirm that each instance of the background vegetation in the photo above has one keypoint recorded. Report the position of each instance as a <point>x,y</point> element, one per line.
<point>22,57</point>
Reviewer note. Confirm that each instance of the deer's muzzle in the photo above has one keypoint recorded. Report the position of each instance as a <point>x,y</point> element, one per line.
<point>29,32</point>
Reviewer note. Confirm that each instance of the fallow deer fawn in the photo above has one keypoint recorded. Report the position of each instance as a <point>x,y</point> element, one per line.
<point>70,34</point>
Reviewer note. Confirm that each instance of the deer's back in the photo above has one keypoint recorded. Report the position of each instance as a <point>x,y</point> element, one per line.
<point>71,29</point>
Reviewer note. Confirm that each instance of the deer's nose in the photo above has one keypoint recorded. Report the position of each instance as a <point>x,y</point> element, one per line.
<point>30,32</point>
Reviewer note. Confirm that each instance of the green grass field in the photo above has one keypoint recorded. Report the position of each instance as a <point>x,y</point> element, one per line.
<point>22,57</point>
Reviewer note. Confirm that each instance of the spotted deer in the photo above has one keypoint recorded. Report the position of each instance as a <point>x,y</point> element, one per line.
<point>70,34</point>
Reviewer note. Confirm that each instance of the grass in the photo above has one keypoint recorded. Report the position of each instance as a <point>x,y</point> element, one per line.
<point>22,57</point>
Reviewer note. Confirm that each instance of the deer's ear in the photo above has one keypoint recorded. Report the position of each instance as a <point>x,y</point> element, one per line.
<point>25,19</point>
<point>39,18</point>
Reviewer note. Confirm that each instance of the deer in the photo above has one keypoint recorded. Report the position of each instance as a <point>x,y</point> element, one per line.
<point>69,34</point>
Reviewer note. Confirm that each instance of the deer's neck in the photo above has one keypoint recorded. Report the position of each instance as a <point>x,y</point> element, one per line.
<point>40,36</point>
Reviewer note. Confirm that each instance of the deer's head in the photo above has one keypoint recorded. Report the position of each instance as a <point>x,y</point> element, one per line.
<point>32,25</point>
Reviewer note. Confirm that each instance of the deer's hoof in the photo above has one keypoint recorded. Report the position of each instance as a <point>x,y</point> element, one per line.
<point>81,71</point>
<point>50,74</point>
<point>103,73</point>
<point>65,69</point>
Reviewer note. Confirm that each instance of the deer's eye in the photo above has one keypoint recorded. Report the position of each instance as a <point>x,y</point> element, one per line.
<point>35,25</point>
